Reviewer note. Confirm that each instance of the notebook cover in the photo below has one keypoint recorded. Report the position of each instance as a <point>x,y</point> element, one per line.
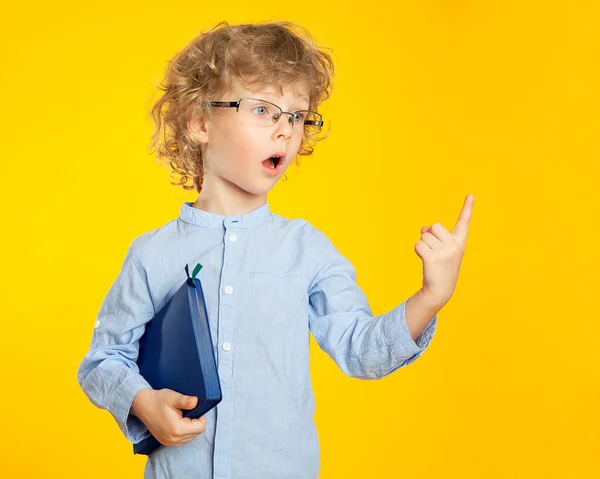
<point>176,352</point>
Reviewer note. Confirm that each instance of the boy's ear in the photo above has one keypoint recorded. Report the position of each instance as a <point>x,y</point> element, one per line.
<point>198,127</point>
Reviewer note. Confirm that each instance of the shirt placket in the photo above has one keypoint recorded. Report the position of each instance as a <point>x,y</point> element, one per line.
<point>225,349</point>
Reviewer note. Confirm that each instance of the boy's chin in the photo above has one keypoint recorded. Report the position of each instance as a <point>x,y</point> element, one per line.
<point>263,187</point>
<point>257,190</point>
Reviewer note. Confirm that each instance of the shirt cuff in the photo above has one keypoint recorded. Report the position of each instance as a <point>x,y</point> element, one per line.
<point>401,342</point>
<point>132,426</point>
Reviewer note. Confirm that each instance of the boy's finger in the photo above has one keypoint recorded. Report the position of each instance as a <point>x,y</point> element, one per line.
<point>188,437</point>
<point>193,426</point>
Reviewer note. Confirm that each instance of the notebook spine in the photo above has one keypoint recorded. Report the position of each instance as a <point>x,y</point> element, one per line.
<point>204,342</point>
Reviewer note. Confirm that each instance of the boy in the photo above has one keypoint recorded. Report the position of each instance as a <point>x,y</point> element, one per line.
<point>240,104</point>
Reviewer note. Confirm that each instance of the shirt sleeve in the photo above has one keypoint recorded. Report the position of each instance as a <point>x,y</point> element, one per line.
<point>108,373</point>
<point>362,345</point>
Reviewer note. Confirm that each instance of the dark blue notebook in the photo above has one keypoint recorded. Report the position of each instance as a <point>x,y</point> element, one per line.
<point>176,352</point>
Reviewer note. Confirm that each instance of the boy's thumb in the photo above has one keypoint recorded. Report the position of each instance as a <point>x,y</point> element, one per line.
<point>186,402</point>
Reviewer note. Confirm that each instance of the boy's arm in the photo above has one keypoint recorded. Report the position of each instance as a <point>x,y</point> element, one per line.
<point>108,373</point>
<point>420,309</point>
<point>363,345</point>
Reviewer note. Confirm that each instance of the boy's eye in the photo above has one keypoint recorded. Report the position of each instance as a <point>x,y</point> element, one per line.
<point>299,117</point>
<point>261,110</point>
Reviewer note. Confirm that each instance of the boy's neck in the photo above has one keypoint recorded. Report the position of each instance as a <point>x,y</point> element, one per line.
<point>228,203</point>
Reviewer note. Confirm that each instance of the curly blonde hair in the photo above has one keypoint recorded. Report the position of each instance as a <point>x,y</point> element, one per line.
<point>259,55</point>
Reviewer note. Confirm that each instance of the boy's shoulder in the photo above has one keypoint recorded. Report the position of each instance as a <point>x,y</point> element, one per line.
<point>293,223</point>
<point>153,240</point>
<point>303,229</point>
<point>315,235</point>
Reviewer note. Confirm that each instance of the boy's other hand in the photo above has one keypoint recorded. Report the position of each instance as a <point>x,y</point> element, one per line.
<point>441,252</point>
<point>161,412</point>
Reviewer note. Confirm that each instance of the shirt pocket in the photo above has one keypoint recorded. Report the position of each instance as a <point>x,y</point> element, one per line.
<point>280,299</point>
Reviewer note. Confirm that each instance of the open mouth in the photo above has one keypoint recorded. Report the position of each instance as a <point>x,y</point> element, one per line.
<point>273,163</point>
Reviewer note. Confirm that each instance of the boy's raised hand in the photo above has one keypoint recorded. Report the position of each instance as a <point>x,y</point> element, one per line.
<point>441,253</point>
<point>160,411</point>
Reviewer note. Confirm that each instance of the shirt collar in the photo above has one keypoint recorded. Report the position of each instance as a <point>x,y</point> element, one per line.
<point>199,217</point>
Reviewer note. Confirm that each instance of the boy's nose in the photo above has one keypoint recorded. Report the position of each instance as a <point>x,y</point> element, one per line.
<point>285,123</point>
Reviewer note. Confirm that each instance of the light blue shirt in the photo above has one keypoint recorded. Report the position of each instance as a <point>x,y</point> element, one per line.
<point>267,281</point>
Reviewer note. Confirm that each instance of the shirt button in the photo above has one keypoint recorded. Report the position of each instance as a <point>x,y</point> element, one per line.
<point>226,346</point>
<point>228,290</point>
<point>232,237</point>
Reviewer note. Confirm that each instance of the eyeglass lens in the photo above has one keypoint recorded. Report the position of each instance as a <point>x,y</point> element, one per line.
<point>264,113</point>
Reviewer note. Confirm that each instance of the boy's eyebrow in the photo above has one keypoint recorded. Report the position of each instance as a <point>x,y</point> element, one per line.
<point>269,93</point>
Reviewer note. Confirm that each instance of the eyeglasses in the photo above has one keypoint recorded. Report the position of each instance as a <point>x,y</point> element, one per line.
<point>254,111</point>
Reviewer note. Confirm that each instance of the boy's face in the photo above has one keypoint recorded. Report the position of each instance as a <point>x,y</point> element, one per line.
<point>236,150</point>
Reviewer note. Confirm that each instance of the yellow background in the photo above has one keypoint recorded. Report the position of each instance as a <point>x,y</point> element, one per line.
<point>433,100</point>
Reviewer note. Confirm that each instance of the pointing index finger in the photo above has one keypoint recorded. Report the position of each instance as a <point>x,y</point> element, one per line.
<point>462,225</point>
